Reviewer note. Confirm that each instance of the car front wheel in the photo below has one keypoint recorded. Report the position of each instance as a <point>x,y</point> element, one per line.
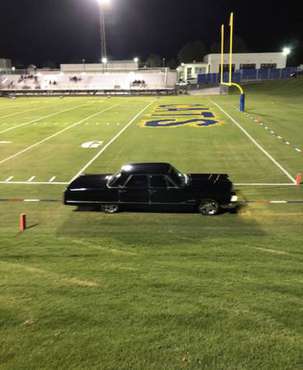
<point>209,207</point>
<point>110,208</point>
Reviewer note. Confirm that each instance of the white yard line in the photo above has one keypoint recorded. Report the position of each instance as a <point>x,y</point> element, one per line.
<point>52,179</point>
<point>54,135</point>
<point>111,141</point>
<point>264,184</point>
<point>24,111</point>
<point>31,179</point>
<point>41,118</point>
<point>8,181</point>
<point>33,183</point>
<point>286,173</point>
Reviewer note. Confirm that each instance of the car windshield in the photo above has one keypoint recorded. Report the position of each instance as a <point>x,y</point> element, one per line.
<point>178,177</point>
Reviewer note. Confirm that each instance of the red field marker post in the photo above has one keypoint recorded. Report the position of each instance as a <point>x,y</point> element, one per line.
<point>299,179</point>
<point>22,222</point>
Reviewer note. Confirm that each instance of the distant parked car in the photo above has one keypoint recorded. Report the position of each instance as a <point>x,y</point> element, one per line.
<point>297,74</point>
<point>152,184</point>
<point>182,83</point>
<point>192,81</point>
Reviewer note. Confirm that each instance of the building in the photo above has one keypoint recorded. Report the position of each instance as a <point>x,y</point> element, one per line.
<point>5,64</point>
<point>111,66</point>
<point>246,61</point>
<point>190,71</point>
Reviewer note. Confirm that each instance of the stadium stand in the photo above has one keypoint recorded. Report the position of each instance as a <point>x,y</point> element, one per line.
<point>145,81</point>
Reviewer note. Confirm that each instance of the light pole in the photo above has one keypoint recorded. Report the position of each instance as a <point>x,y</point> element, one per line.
<point>102,6</point>
<point>104,62</point>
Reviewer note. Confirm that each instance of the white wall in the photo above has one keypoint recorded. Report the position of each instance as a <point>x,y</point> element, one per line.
<point>191,70</point>
<point>214,60</point>
<point>127,65</point>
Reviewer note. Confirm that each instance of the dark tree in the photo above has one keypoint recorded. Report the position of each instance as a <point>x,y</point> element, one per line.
<point>172,63</point>
<point>193,51</point>
<point>49,64</point>
<point>153,61</point>
<point>239,46</point>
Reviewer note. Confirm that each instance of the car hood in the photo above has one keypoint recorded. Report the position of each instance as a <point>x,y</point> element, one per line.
<point>89,181</point>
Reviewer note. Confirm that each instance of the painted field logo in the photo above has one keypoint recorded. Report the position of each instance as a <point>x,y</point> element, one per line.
<point>180,115</point>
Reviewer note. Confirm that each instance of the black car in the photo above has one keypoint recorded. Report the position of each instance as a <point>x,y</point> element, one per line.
<point>151,185</point>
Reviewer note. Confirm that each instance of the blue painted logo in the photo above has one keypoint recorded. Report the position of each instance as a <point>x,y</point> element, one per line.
<point>180,115</point>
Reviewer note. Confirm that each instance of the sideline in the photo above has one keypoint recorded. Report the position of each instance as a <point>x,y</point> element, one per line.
<point>286,173</point>
<point>37,200</point>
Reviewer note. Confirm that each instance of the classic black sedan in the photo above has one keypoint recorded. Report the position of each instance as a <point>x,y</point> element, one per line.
<point>151,185</point>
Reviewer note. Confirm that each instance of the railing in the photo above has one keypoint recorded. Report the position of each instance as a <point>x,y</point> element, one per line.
<point>245,75</point>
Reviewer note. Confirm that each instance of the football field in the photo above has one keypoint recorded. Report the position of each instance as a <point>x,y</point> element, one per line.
<point>143,290</point>
<point>50,141</point>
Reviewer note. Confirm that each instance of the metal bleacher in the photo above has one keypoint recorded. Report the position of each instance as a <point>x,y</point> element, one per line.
<point>160,81</point>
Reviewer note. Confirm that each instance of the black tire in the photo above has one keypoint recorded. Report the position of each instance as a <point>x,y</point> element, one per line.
<point>209,207</point>
<point>110,208</point>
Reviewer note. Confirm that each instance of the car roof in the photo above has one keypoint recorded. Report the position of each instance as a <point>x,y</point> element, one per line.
<point>147,168</point>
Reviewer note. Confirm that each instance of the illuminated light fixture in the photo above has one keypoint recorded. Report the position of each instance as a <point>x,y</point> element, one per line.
<point>103,2</point>
<point>104,60</point>
<point>286,51</point>
<point>136,60</point>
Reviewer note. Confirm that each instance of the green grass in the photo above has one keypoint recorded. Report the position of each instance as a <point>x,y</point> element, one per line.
<point>84,290</point>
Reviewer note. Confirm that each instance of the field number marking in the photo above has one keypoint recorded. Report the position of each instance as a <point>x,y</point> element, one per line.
<point>54,135</point>
<point>112,140</point>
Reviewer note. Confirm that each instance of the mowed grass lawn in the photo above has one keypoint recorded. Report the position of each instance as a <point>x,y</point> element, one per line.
<point>84,290</point>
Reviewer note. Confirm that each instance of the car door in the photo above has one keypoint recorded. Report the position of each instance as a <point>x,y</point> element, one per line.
<point>158,189</point>
<point>177,194</point>
<point>164,191</point>
<point>135,190</point>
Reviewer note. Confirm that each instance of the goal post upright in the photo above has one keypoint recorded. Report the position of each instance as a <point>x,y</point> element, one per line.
<point>222,54</point>
<point>230,82</point>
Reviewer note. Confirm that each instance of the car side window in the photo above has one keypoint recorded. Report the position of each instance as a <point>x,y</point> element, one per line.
<point>137,182</point>
<point>171,183</point>
<point>158,181</point>
<point>118,181</point>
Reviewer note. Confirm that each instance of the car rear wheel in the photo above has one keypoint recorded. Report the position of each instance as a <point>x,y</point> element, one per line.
<point>209,207</point>
<point>110,208</point>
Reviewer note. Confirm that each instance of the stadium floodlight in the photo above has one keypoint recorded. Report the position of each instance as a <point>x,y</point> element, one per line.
<point>136,60</point>
<point>104,60</point>
<point>103,2</point>
<point>286,51</point>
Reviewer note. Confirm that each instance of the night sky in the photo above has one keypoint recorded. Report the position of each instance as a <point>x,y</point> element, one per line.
<point>36,31</point>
